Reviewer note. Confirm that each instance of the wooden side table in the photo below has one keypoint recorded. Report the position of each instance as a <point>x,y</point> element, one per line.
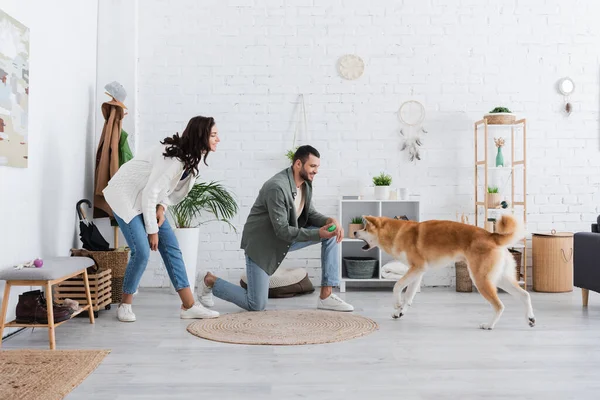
<point>552,262</point>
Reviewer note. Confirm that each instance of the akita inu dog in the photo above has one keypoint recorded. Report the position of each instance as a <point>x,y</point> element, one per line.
<point>430,244</point>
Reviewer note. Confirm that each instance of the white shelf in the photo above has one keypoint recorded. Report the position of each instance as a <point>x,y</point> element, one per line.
<point>500,168</point>
<point>508,210</point>
<point>351,247</point>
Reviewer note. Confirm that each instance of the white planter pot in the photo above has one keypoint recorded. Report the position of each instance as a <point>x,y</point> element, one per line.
<point>188,239</point>
<point>382,192</point>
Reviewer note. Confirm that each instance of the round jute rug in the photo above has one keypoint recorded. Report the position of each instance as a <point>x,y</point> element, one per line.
<point>283,327</point>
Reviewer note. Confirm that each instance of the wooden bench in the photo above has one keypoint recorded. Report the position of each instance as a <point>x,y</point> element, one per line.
<point>54,270</point>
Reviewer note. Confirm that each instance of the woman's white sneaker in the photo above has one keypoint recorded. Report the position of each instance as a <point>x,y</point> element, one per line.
<point>198,311</point>
<point>125,313</point>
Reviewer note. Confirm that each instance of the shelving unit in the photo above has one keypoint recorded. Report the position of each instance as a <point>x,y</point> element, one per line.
<point>515,166</point>
<point>351,247</point>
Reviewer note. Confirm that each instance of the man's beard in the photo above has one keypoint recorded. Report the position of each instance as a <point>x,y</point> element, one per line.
<point>304,174</point>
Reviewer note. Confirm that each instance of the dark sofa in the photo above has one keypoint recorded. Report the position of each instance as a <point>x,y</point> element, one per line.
<point>586,261</point>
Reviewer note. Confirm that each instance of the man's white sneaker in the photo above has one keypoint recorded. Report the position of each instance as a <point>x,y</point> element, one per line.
<point>334,303</point>
<point>197,311</point>
<point>125,313</point>
<point>205,296</point>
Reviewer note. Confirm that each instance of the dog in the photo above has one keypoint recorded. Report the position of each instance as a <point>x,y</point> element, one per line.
<point>437,243</point>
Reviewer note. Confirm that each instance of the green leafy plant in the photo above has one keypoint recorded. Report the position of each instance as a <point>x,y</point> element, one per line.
<point>211,198</point>
<point>500,110</point>
<point>290,153</point>
<point>493,189</point>
<point>357,220</point>
<point>382,180</point>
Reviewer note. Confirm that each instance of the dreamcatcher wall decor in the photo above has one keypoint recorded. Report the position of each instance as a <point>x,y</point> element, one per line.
<point>412,113</point>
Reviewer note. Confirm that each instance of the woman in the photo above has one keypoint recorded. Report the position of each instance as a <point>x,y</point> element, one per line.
<point>138,195</point>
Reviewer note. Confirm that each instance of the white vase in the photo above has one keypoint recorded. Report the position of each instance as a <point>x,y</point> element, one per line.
<point>188,239</point>
<point>403,194</point>
<point>382,192</point>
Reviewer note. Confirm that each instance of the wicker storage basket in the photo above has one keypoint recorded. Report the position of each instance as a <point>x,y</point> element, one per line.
<point>360,267</point>
<point>552,262</point>
<point>517,256</point>
<point>115,260</point>
<point>74,289</point>
<point>500,118</point>
<point>463,280</point>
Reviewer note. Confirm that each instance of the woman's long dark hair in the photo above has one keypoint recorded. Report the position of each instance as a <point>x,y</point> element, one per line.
<point>193,143</point>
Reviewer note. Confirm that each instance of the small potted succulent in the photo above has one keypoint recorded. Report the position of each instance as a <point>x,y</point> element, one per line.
<point>356,224</point>
<point>382,184</point>
<point>493,197</point>
<point>500,116</point>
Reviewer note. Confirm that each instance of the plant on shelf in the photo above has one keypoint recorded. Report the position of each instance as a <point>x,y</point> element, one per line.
<point>500,116</point>
<point>382,184</point>
<point>382,180</point>
<point>356,224</point>
<point>210,198</point>
<point>500,110</point>
<point>499,157</point>
<point>493,198</point>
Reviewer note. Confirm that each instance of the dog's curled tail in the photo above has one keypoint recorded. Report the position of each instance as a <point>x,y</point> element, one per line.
<point>508,231</point>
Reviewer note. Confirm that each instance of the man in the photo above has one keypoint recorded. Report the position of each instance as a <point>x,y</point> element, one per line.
<point>283,219</point>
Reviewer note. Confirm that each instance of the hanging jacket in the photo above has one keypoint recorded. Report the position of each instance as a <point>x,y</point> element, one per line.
<point>107,155</point>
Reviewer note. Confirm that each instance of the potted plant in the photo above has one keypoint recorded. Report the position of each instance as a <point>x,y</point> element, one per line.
<point>382,184</point>
<point>500,116</point>
<point>356,224</point>
<point>493,197</point>
<point>211,198</point>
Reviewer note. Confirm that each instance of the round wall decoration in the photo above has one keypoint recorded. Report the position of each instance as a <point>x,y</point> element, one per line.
<point>351,66</point>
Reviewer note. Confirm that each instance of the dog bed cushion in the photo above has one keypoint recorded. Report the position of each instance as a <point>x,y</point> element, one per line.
<point>286,282</point>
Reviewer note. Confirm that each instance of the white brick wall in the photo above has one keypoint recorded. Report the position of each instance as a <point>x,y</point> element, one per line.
<point>244,62</point>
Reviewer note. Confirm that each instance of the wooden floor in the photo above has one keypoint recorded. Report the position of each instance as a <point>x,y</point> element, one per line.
<point>436,351</point>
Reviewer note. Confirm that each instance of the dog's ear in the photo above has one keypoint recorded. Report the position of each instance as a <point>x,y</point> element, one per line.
<point>371,220</point>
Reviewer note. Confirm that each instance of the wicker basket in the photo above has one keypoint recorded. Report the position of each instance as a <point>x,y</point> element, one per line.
<point>500,118</point>
<point>360,267</point>
<point>74,289</point>
<point>114,260</point>
<point>517,256</point>
<point>552,262</point>
<point>463,280</point>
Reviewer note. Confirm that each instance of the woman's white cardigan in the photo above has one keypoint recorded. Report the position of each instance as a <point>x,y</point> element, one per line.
<point>144,182</point>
